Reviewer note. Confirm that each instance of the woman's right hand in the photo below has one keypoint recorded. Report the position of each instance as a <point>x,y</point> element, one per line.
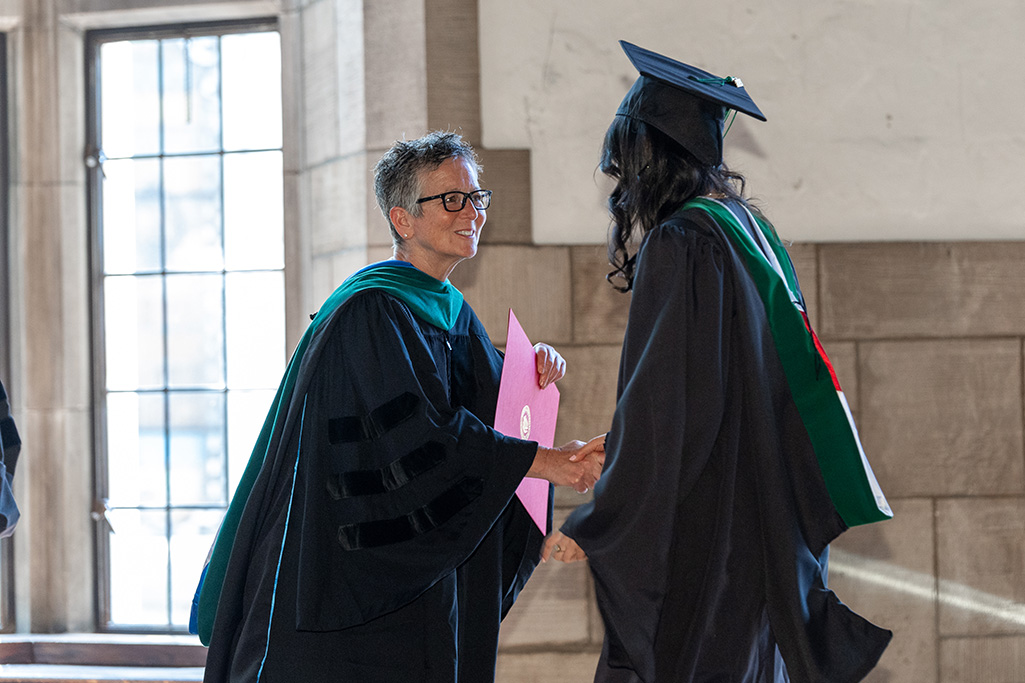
<point>575,464</point>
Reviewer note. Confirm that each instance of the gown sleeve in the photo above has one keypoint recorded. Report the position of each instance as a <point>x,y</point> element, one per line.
<point>395,486</point>
<point>672,385</point>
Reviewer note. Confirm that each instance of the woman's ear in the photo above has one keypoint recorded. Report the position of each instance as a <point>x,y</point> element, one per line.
<point>400,218</point>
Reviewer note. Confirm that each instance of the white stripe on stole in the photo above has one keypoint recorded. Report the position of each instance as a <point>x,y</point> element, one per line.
<point>284,535</point>
<point>766,250</point>
<point>877,491</point>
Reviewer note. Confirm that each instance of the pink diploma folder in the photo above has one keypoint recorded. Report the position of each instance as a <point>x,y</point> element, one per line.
<point>527,412</point>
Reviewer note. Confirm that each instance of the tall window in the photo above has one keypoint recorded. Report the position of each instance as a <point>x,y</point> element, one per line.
<point>190,341</point>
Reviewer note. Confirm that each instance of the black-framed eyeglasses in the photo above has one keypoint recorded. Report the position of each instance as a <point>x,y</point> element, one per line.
<point>455,201</point>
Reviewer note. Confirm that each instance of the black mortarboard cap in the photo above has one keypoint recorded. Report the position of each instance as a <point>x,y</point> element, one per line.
<point>684,102</point>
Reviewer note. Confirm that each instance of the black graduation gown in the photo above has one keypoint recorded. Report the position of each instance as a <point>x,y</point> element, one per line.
<point>708,533</point>
<point>403,543</point>
<point>10,448</point>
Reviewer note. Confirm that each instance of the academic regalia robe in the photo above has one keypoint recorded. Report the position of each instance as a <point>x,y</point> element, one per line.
<point>381,540</point>
<point>708,533</point>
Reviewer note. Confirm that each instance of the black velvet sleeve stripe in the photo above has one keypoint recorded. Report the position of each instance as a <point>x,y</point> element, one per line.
<point>377,423</point>
<point>397,474</point>
<point>9,433</point>
<point>10,442</point>
<point>417,522</point>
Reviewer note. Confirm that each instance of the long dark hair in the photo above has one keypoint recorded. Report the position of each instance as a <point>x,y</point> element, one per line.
<point>654,176</point>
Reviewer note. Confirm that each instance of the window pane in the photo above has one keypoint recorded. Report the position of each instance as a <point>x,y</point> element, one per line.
<point>191,91</point>
<point>247,411</point>
<point>192,534</point>
<point>253,211</point>
<point>130,101</point>
<point>131,216</point>
<point>195,342</point>
<point>134,332</point>
<point>138,566</point>
<point>252,91</point>
<point>192,207</point>
<point>135,449</point>
<point>197,447</point>
<point>256,329</point>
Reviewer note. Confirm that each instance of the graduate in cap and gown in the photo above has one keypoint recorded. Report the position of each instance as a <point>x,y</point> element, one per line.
<point>375,536</point>
<point>732,460</point>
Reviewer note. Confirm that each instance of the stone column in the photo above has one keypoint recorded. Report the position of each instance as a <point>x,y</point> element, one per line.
<point>50,325</point>
<point>362,84</point>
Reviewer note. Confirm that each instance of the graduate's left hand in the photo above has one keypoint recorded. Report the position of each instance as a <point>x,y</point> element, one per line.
<point>551,366</point>
<point>562,548</point>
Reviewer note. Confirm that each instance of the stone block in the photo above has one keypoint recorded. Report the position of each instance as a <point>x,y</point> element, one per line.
<point>507,175</point>
<point>338,211</point>
<point>884,572</point>
<point>50,312</point>
<point>943,417</point>
<point>533,281</point>
<point>980,551</point>
<point>71,91</point>
<point>36,148</point>
<point>53,483</point>
<point>292,45</point>
<point>587,392</point>
<point>873,290</point>
<point>329,271</point>
<point>599,311</point>
<point>568,499</point>
<point>453,62</point>
<point>553,606</point>
<point>597,632</point>
<point>322,282</point>
<point>378,232</point>
<point>345,263</point>
<point>351,86</point>
<point>298,259</point>
<point>76,359</point>
<point>999,659</point>
<point>396,73</point>
<point>546,667</point>
<point>320,80</point>
<point>42,280</point>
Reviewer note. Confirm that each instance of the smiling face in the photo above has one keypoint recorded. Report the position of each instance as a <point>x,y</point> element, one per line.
<point>437,240</point>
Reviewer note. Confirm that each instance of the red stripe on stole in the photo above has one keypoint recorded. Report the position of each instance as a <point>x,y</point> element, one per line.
<point>822,351</point>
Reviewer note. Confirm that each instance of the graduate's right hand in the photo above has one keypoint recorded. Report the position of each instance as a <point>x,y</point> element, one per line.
<point>594,452</point>
<point>558,466</point>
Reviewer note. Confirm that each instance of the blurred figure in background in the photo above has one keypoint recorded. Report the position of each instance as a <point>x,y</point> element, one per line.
<point>10,447</point>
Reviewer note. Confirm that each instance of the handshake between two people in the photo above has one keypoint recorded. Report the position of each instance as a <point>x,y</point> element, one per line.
<point>575,464</point>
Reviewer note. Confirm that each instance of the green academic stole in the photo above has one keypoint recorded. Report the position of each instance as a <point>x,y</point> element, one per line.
<point>820,401</point>
<point>431,300</point>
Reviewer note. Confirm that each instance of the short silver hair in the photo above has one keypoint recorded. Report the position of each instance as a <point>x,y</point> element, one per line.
<point>399,174</point>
